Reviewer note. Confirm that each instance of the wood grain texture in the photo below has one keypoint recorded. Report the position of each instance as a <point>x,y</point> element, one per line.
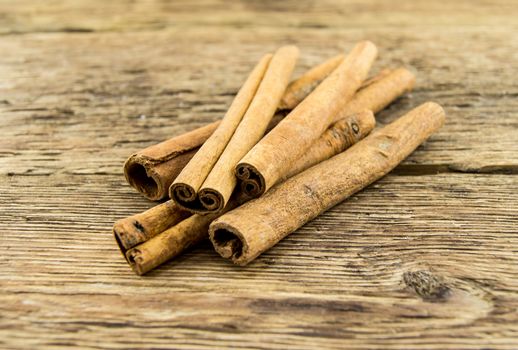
<point>425,258</point>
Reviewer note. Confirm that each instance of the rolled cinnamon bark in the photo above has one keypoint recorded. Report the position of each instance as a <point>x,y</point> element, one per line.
<point>271,158</point>
<point>382,74</point>
<point>172,242</point>
<point>138,228</point>
<point>337,138</point>
<point>380,92</point>
<point>152,170</point>
<point>220,182</point>
<point>377,93</point>
<point>340,136</point>
<point>187,184</point>
<point>257,225</point>
<point>169,243</point>
<point>176,239</point>
<point>330,143</point>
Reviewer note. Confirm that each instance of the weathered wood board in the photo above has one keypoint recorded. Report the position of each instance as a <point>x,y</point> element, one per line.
<point>425,258</point>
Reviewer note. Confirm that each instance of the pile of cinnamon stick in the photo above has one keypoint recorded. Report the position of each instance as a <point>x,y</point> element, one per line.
<point>283,153</point>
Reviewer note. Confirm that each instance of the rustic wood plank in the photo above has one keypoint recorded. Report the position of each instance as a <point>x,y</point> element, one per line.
<point>425,258</point>
<point>74,89</point>
<point>26,16</point>
<point>403,262</point>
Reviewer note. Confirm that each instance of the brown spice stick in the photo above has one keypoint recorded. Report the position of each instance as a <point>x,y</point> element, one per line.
<point>186,186</point>
<point>337,138</point>
<point>259,224</point>
<point>176,239</point>
<point>169,243</point>
<point>271,158</point>
<point>382,74</point>
<point>302,87</point>
<point>380,92</point>
<point>330,143</point>
<point>138,228</point>
<point>152,170</point>
<point>376,94</point>
<point>172,242</point>
<point>219,184</point>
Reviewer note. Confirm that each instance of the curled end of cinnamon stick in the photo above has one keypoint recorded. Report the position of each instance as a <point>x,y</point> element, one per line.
<point>228,242</point>
<point>211,200</point>
<point>134,258</point>
<point>182,193</point>
<point>187,198</point>
<point>251,182</point>
<point>127,233</point>
<point>140,175</point>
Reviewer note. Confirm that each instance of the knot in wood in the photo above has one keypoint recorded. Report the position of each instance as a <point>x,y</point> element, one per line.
<point>427,286</point>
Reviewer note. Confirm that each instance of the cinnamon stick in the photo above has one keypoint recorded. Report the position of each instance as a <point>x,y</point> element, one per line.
<point>176,239</point>
<point>381,92</point>
<point>152,170</point>
<point>220,182</point>
<point>376,94</point>
<point>271,158</point>
<point>382,74</point>
<point>172,242</point>
<point>187,184</point>
<point>259,224</point>
<point>169,243</point>
<point>138,228</point>
<point>337,138</point>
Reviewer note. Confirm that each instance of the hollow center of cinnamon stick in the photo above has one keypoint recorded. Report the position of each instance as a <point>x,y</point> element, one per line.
<point>142,181</point>
<point>227,243</point>
<point>211,199</point>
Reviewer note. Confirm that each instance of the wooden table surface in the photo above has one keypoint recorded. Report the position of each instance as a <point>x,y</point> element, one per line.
<point>427,257</point>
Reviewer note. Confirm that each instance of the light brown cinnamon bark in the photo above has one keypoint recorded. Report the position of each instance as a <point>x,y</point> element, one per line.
<point>271,158</point>
<point>176,239</point>
<point>259,224</point>
<point>381,92</point>
<point>376,94</point>
<point>152,170</point>
<point>337,138</point>
<point>187,184</point>
<point>382,74</point>
<point>138,228</point>
<point>220,182</point>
